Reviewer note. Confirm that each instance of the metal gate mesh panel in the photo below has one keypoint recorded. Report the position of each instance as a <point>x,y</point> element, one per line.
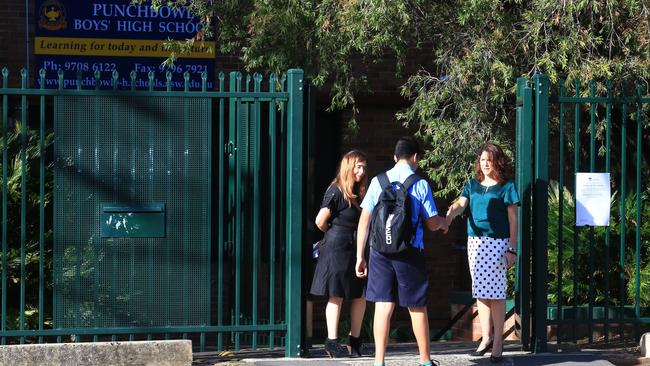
<point>131,151</point>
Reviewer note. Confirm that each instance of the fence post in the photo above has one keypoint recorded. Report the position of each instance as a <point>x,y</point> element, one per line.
<point>294,211</point>
<point>540,207</point>
<point>523,177</point>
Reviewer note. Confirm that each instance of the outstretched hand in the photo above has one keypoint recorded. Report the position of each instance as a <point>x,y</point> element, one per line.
<point>448,212</point>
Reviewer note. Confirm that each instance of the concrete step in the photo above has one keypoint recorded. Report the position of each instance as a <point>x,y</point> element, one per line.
<point>141,353</point>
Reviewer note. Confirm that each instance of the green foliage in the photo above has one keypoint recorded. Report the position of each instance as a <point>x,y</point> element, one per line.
<point>644,290</point>
<point>32,249</point>
<point>464,95</point>
<point>575,258</point>
<point>468,98</point>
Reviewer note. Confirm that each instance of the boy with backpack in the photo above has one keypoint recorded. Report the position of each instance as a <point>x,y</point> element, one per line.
<point>397,205</point>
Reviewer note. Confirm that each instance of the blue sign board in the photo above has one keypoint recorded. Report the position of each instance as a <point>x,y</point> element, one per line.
<point>115,35</point>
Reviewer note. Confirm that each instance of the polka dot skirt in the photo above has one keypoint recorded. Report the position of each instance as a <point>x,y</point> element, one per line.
<point>486,266</point>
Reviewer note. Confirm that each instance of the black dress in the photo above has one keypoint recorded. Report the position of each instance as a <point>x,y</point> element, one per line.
<point>335,274</point>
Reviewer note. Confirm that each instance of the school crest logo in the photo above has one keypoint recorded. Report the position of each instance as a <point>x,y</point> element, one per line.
<point>52,15</point>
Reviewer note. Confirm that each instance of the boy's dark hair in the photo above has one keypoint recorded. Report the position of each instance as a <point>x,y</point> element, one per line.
<point>406,147</point>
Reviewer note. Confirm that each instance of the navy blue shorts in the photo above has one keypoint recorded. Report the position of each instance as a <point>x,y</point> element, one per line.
<point>399,278</point>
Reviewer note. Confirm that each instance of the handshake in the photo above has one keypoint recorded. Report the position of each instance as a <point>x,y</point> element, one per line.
<point>443,223</point>
<point>454,210</point>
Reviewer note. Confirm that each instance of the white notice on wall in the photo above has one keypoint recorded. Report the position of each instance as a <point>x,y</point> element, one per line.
<point>592,199</point>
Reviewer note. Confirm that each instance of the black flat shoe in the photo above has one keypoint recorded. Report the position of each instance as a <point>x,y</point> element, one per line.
<point>481,352</point>
<point>334,349</point>
<point>496,359</point>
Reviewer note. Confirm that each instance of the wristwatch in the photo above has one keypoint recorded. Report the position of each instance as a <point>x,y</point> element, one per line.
<point>511,250</point>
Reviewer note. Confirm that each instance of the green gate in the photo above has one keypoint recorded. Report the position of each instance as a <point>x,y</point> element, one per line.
<point>130,211</point>
<point>578,282</point>
<point>154,214</point>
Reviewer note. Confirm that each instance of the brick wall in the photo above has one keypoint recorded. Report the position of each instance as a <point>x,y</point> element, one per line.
<point>12,37</point>
<point>468,326</point>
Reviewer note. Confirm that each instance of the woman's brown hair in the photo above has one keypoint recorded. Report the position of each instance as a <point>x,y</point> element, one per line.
<point>499,161</point>
<point>353,192</point>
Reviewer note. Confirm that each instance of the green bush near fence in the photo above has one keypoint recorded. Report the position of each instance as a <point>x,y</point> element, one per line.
<point>13,225</point>
<point>575,258</point>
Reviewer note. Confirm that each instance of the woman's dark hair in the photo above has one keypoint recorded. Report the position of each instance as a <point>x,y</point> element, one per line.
<point>406,147</point>
<point>499,161</point>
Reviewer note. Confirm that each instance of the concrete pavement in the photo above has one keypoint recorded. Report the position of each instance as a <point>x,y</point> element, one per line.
<point>446,353</point>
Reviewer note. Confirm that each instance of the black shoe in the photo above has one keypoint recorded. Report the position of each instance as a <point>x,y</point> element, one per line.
<point>306,347</point>
<point>481,352</point>
<point>496,359</point>
<point>358,349</point>
<point>334,349</point>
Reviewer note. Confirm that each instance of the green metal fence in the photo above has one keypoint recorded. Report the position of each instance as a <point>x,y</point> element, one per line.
<point>573,282</point>
<point>153,214</point>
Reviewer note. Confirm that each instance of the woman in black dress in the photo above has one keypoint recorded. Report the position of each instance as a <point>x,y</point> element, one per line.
<point>334,275</point>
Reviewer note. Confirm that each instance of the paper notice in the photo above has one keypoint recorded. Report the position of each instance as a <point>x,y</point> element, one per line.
<point>592,199</point>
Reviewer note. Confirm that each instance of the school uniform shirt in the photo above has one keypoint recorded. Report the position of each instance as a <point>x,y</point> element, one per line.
<point>423,205</point>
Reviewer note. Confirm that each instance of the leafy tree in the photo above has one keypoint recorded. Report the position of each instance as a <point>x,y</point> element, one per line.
<point>478,48</point>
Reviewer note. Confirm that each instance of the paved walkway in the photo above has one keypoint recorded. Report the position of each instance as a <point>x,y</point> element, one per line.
<point>447,353</point>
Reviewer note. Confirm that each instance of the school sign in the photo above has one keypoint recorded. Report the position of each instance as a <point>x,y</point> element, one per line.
<point>79,36</point>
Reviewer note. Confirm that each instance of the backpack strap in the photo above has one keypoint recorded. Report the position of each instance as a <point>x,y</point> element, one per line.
<point>412,179</point>
<point>383,180</point>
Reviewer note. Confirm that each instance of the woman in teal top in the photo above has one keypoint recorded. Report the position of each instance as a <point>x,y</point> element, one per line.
<point>491,241</point>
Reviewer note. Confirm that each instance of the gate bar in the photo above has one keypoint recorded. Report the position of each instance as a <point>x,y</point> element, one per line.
<point>622,213</point>
<point>23,199</point>
<point>576,229</point>
<point>639,141</point>
<point>41,211</point>
<point>560,224</point>
<point>221,235</point>
<point>272,203</point>
<point>235,84</point>
<point>5,117</point>
<point>524,159</point>
<point>294,212</point>
<point>592,169</point>
<point>540,205</point>
<point>608,131</point>
<point>256,141</point>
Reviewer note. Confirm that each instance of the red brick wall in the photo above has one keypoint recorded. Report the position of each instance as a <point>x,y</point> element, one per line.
<point>468,326</point>
<point>12,37</point>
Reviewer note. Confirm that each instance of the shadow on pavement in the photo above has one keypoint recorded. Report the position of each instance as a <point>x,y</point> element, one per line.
<point>406,354</point>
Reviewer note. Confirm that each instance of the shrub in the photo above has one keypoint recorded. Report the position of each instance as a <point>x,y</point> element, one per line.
<point>575,249</point>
